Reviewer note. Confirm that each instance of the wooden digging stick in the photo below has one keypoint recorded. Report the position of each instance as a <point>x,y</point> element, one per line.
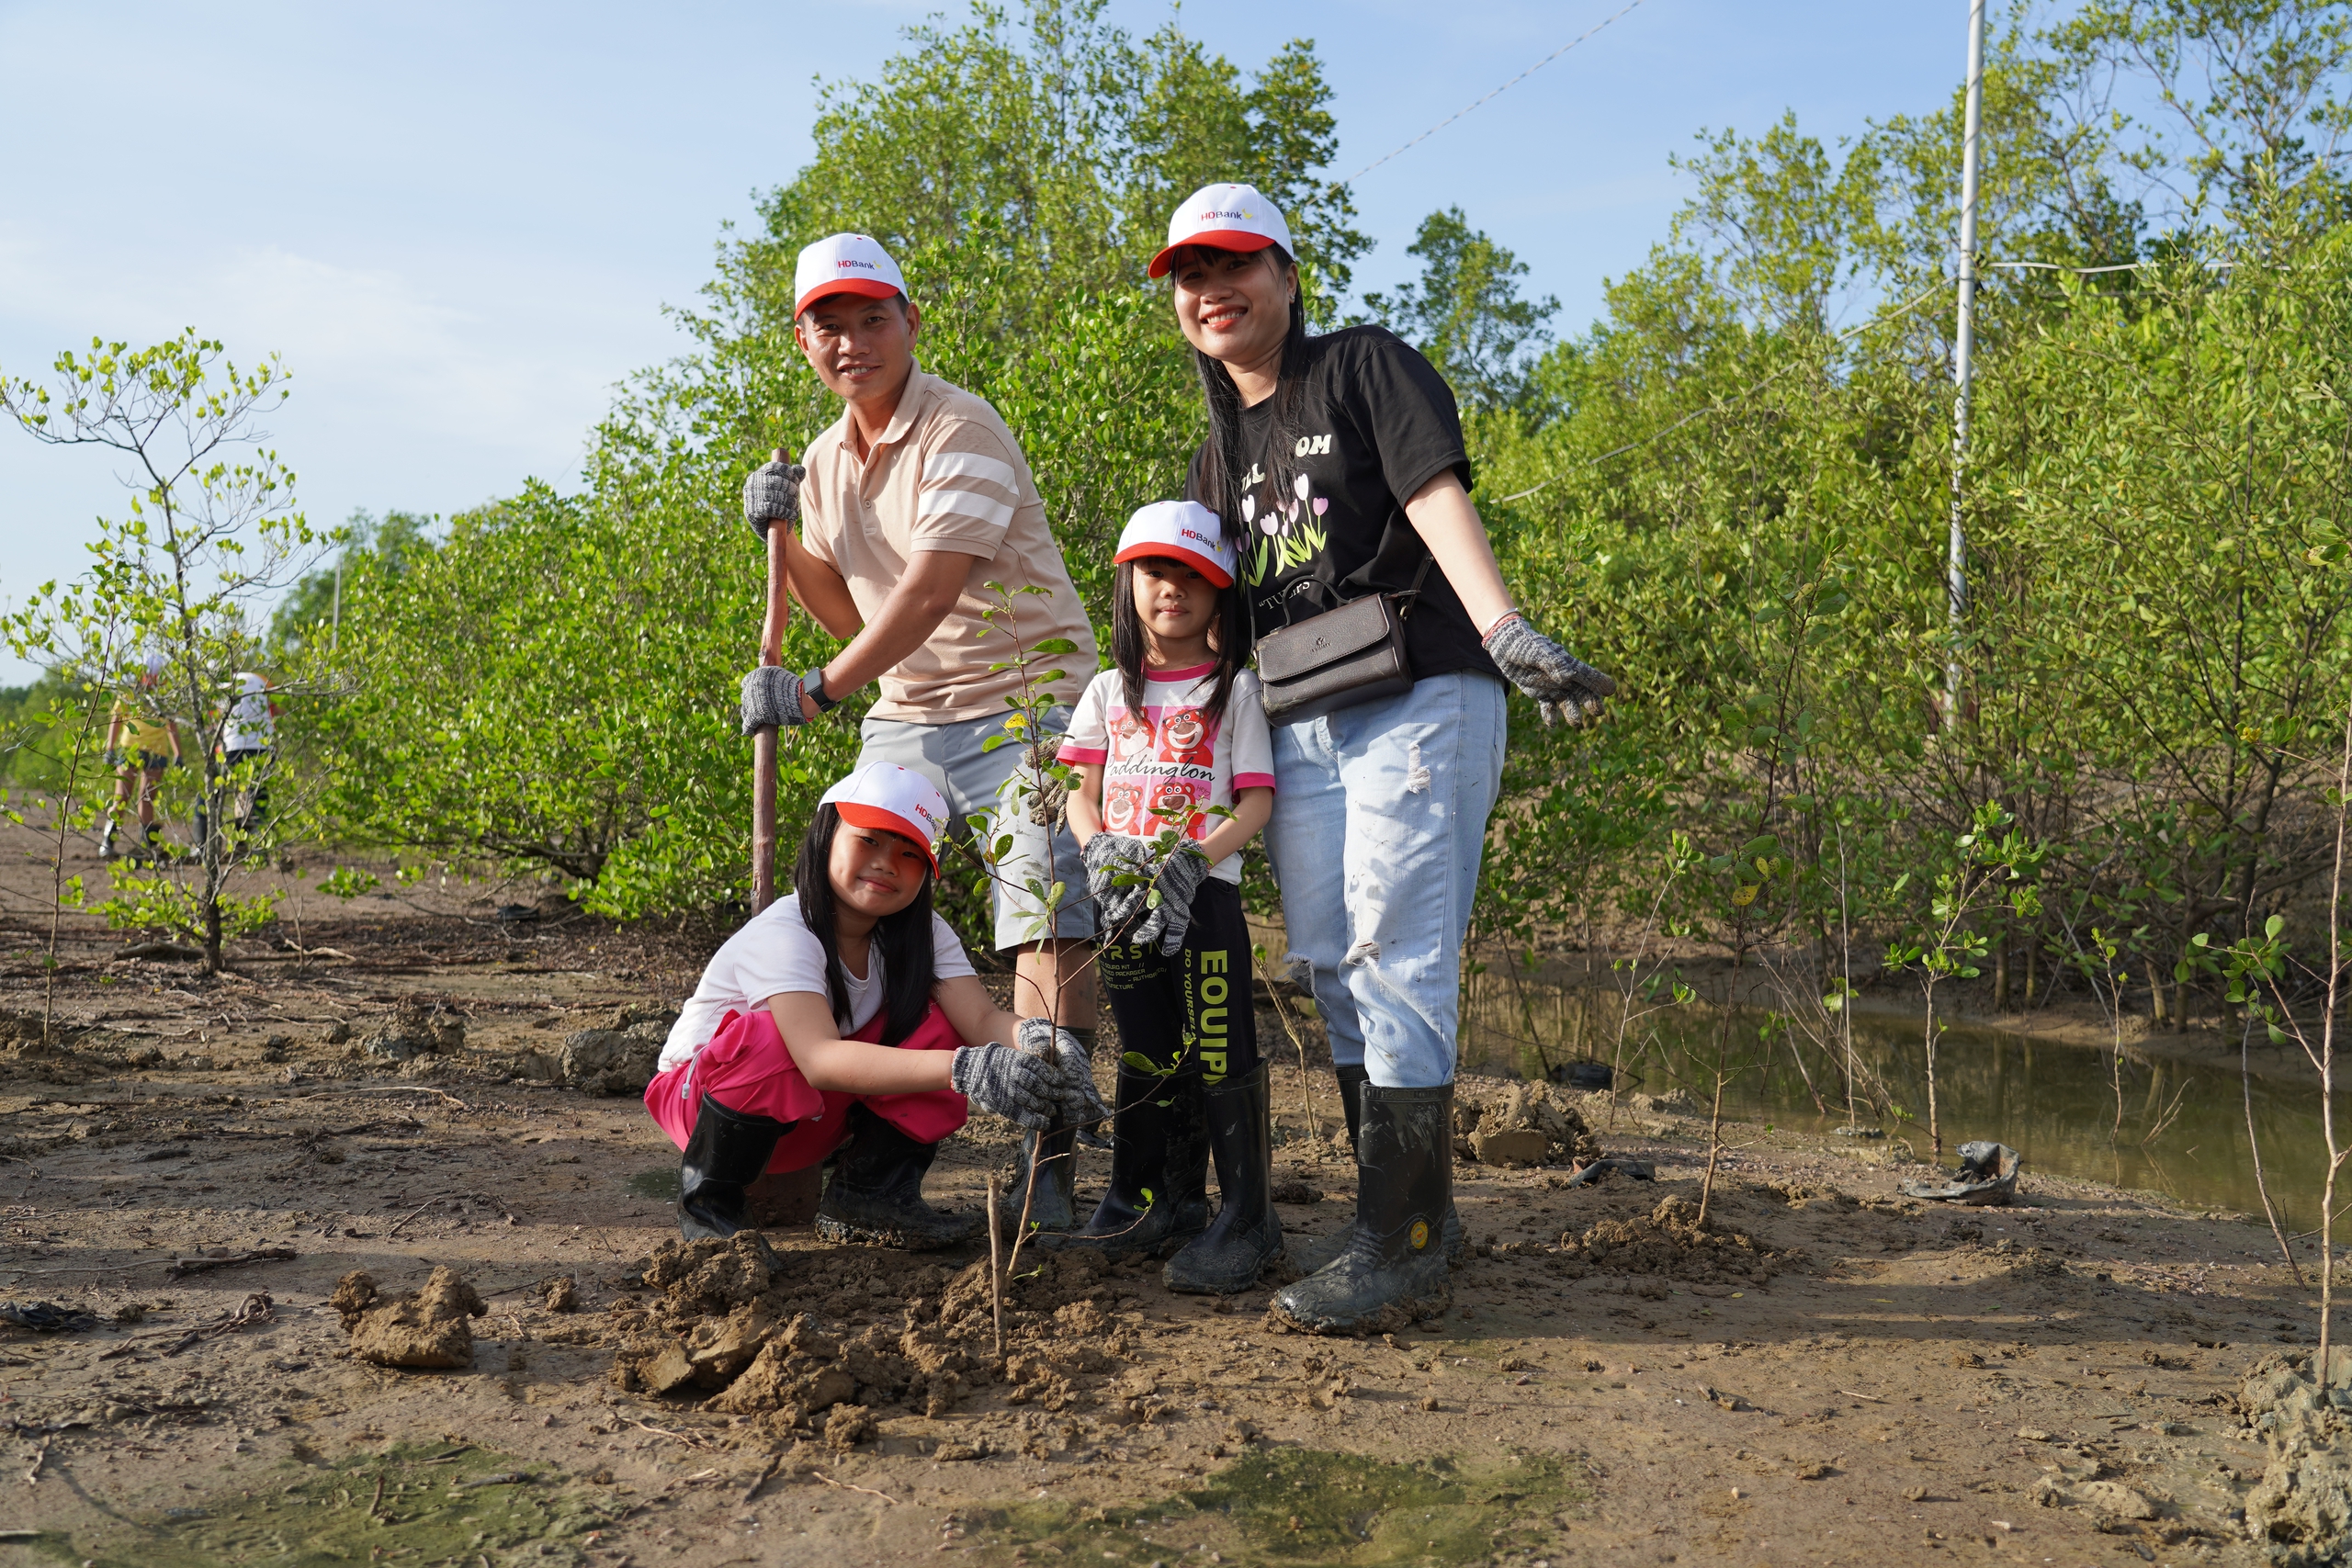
<point>779,614</point>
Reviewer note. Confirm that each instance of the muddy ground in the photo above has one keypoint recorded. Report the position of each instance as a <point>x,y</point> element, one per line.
<point>1829,1373</point>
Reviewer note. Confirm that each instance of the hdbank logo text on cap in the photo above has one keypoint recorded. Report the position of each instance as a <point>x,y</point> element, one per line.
<point>844,264</point>
<point>1183,530</point>
<point>1229,217</point>
<point>893,799</point>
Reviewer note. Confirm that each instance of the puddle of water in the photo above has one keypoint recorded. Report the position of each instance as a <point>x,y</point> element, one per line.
<point>1303,1507</point>
<point>661,1182</point>
<point>2054,1103</point>
<point>371,1507</point>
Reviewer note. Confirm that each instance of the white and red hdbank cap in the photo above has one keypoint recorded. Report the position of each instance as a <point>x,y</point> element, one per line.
<point>893,799</point>
<point>1229,217</point>
<point>1181,530</point>
<point>844,264</point>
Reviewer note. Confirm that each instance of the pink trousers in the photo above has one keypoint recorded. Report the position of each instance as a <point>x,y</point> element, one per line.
<point>748,1069</point>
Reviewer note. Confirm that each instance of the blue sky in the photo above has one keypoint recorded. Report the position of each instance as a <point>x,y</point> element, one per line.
<point>458,224</point>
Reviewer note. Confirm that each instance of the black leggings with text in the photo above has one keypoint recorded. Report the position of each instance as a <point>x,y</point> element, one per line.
<point>1191,1008</point>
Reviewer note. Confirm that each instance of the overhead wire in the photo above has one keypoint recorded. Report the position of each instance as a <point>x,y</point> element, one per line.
<point>1498,92</point>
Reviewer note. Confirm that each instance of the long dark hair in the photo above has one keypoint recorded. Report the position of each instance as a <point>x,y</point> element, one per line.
<point>902,941</point>
<point>1231,640</point>
<point>1226,464</point>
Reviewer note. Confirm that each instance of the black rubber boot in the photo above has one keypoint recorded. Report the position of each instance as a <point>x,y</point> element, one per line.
<point>875,1193</point>
<point>1392,1269</point>
<point>1318,1251</point>
<point>1154,1125</point>
<point>725,1153</point>
<point>1055,1205</point>
<point>1231,1255</point>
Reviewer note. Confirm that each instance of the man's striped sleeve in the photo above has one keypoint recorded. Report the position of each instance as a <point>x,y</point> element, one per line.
<point>968,495</point>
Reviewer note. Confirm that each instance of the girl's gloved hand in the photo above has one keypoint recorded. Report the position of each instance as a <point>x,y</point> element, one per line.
<point>1169,918</point>
<point>1081,1105</point>
<point>1108,857</point>
<point>1565,687</point>
<point>1012,1084</point>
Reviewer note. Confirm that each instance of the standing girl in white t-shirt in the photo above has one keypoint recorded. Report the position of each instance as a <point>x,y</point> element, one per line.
<point>842,1014</point>
<point>1177,775</point>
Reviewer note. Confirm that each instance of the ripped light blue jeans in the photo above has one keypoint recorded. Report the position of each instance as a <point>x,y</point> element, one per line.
<point>1380,818</point>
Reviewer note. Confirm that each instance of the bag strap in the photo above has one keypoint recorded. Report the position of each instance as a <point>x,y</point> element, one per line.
<point>1408,596</point>
<point>1412,596</point>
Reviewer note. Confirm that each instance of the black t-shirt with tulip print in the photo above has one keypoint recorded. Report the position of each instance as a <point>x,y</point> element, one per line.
<point>1325,519</point>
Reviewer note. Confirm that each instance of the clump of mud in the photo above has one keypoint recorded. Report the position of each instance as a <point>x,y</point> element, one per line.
<point>755,1334</point>
<point>2301,1510</point>
<point>620,1059</point>
<point>1524,1124</point>
<point>417,1027</point>
<point>1669,1242</point>
<point>428,1330</point>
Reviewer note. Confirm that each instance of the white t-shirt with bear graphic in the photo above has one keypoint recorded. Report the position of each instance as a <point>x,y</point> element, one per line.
<point>1170,763</point>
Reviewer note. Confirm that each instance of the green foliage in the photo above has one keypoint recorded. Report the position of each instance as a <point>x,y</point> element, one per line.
<point>308,611</point>
<point>158,901</point>
<point>1466,313</point>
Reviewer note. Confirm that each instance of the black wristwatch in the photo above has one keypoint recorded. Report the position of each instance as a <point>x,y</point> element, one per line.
<point>813,684</point>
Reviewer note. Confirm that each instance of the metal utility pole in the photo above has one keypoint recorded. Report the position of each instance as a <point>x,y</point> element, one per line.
<point>1963,350</point>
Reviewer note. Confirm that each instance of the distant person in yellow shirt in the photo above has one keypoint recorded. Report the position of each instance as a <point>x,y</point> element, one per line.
<point>142,745</point>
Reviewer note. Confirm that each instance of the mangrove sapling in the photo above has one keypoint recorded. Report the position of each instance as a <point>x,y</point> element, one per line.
<point>209,540</point>
<point>2101,968</point>
<point>1983,874</point>
<point>1041,782</point>
<point>1298,1042</point>
<point>2256,968</point>
<point>1634,983</point>
<point>1744,877</point>
<point>93,633</point>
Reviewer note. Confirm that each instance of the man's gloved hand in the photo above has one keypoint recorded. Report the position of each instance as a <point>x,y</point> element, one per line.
<point>1565,687</point>
<point>772,494</point>
<point>772,699</point>
<point>1109,856</point>
<point>1081,1104</point>
<point>1172,915</point>
<point>1009,1083</point>
<point>1046,806</point>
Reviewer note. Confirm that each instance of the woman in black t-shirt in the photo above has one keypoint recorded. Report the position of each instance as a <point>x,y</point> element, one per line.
<point>1336,463</point>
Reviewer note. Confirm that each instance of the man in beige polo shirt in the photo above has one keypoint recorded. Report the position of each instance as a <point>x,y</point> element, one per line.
<point>911,504</point>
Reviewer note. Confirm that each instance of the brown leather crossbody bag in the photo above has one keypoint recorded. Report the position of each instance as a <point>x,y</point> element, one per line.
<point>1352,653</point>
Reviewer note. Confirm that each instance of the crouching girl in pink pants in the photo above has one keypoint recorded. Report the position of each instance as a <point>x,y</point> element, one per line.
<point>845,1016</point>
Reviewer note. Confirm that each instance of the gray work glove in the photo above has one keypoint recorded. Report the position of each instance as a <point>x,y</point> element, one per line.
<point>770,699</point>
<point>1109,856</point>
<point>1009,1083</point>
<point>772,494</point>
<point>1169,918</point>
<point>1081,1104</point>
<point>1045,807</point>
<point>1566,689</point>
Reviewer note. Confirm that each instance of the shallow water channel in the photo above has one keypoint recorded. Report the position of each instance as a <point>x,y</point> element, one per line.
<point>2183,1123</point>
